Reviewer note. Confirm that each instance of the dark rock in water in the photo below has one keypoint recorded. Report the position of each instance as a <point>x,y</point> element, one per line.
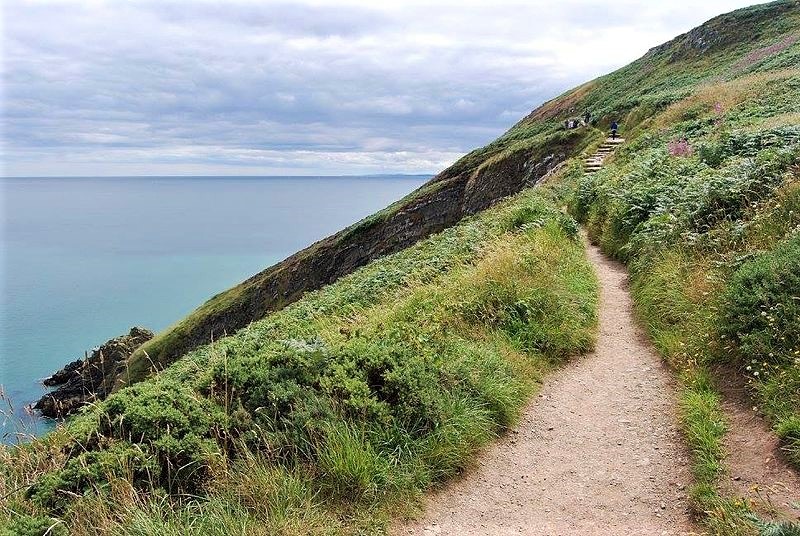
<point>87,380</point>
<point>63,375</point>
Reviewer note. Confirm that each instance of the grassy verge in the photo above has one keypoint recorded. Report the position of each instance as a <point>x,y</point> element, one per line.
<point>334,414</point>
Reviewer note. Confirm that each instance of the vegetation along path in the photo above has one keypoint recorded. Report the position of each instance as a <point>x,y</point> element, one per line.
<point>597,452</point>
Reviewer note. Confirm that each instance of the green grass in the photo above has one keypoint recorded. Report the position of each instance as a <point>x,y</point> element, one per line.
<point>339,410</point>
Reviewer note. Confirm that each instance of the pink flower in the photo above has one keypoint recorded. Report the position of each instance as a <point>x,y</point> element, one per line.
<point>758,55</point>
<point>680,147</point>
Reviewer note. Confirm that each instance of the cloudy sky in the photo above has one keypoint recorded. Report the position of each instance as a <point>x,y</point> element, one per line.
<point>299,88</point>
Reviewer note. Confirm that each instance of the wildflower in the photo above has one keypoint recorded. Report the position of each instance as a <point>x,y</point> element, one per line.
<point>680,147</point>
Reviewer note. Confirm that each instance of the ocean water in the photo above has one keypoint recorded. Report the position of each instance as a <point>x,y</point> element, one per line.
<point>84,259</point>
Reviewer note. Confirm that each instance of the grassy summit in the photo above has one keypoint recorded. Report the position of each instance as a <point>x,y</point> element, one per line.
<point>329,410</point>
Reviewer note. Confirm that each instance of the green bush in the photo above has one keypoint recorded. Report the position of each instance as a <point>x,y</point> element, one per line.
<point>761,314</point>
<point>25,525</point>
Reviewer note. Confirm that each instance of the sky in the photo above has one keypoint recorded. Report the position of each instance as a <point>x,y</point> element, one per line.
<point>165,87</point>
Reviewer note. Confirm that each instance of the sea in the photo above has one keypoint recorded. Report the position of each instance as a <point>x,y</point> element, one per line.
<point>84,259</point>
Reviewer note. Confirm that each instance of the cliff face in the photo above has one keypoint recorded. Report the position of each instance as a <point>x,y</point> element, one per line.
<point>459,191</point>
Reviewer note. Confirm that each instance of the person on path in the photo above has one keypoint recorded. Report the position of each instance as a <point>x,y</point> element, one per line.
<point>614,128</point>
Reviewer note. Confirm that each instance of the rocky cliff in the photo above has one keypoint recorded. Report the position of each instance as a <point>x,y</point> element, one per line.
<point>85,380</point>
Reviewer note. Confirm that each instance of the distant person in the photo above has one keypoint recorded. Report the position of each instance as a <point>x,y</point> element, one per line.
<point>614,128</point>
<point>587,117</point>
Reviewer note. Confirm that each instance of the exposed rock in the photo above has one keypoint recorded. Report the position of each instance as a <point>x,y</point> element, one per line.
<point>64,374</point>
<point>86,380</point>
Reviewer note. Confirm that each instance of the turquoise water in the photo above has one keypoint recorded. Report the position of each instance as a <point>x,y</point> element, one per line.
<point>84,259</point>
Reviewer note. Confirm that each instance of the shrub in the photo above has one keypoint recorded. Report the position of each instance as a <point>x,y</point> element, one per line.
<point>26,525</point>
<point>761,314</point>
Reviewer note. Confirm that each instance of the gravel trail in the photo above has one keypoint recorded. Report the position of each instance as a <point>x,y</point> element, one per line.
<point>598,451</point>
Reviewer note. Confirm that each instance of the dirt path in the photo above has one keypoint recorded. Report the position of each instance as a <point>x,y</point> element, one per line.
<point>757,469</point>
<point>597,452</point>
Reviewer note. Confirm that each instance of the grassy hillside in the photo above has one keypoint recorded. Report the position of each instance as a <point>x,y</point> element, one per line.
<point>474,183</point>
<point>725,48</point>
<point>325,415</point>
<point>335,412</point>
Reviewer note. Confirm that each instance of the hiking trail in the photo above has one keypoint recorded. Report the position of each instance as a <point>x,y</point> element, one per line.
<point>594,163</point>
<point>598,451</point>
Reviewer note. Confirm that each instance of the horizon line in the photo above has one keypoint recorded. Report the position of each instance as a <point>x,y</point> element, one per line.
<point>317,176</point>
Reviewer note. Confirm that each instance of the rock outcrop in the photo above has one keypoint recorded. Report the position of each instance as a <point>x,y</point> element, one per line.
<point>86,380</point>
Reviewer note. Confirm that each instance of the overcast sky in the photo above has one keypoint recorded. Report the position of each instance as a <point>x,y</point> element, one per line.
<point>298,88</point>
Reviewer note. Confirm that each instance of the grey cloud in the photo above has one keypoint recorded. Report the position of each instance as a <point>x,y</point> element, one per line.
<point>269,87</point>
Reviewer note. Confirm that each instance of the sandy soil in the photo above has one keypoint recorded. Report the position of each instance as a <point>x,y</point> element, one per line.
<point>597,452</point>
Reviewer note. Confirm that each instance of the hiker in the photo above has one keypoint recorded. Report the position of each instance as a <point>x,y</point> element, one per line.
<point>587,117</point>
<point>614,128</point>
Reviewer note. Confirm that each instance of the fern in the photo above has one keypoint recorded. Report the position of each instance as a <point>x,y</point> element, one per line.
<point>774,528</point>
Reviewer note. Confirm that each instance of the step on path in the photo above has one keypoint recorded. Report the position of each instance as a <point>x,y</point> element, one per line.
<point>594,163</point>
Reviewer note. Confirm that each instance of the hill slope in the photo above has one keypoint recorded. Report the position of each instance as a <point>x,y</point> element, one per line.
<point>516,160</point>
<point>347,402</point>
